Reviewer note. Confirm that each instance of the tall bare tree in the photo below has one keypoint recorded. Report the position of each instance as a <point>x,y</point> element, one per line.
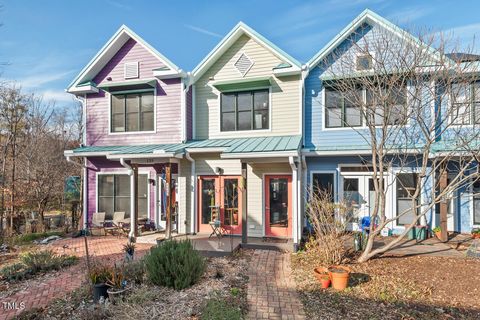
<point>412,102</point>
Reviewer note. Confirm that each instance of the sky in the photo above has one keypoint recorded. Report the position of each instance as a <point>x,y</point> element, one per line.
<point>45,44</point>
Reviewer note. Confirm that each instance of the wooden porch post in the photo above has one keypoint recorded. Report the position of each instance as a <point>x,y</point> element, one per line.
<point>244,204</point>
<point>443,206</point>
<point>168,213</point>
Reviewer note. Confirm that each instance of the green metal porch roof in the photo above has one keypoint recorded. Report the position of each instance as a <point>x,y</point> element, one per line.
<point>246,145</point>
<point>245,83</point>
<point>138,149</point>
<point>136,84</point>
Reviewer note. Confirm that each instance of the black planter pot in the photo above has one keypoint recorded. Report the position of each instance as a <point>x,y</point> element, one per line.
<point>100,290</point>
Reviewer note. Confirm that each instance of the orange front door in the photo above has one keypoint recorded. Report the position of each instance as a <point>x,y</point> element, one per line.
<point>278,205</point>
<point>220,198</point>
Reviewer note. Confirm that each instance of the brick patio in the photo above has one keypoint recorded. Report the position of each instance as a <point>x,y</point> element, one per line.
<point>271,289</point>
<point>46,289</point>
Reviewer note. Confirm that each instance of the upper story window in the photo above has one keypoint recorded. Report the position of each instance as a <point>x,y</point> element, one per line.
<point>359,106</point>
<point>132,112</point>
<point>387,105</point>
<point>245,110</point>
<point>465,103</point>
<point>343,108</point>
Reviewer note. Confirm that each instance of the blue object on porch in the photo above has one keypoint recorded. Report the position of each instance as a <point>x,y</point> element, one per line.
<point>365,224</point>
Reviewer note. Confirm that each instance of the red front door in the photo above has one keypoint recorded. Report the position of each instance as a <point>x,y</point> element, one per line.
<point>220,198</point>
<point>278,205</point>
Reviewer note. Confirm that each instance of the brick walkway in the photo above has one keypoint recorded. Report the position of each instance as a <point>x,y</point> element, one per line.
<point>271,289</point>
<point>44,290</point>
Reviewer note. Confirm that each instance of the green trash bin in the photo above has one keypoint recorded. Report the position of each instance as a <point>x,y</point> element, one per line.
<point>411,234</point>
<point>421,232</point>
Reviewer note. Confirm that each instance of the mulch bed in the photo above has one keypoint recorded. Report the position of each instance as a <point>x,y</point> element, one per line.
<point>417,287</point>
<point>155,302</point>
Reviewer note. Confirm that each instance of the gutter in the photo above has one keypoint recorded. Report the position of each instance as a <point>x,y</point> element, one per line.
<point>193,191</point>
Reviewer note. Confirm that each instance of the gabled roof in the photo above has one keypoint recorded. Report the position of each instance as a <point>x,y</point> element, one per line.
<point>239,30</point>
<point>106,53</point>
<point>369,17</point>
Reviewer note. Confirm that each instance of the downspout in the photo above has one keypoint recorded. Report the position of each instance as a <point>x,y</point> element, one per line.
<point>131,234</point>
<point>193,187</point>
<point>293,165</point>
<point>186,83</point>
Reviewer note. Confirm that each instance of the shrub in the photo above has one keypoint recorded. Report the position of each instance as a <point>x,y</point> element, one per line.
<point>174,264</point>
<point>134,271</point>
<point>217,308</point>
<point>45,260</point>
<point>14,272</point>
<point>29,237</point>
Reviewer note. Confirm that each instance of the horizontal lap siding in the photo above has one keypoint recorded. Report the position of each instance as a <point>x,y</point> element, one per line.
<point>168,101</point>
<point>285,99</point>
<point>206,164</point>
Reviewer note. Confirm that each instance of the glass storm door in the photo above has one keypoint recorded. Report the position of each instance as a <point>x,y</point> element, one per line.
<point>220,199</point>
<point>278,206</point>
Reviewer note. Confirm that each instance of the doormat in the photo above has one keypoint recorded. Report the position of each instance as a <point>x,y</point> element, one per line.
<point>275,240</point>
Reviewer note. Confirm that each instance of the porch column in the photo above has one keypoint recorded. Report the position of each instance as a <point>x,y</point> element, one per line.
<point>443,205</point>
<point>244,203</point>
<point>85,195</point>
<point>168,207</point>
<point>133,204</point>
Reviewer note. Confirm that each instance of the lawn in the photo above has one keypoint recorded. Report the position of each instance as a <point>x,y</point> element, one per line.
<point>417,287</point>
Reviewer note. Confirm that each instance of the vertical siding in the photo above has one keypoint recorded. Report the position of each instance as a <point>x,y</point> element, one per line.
<point>285,98</point>
<point>168,101</point>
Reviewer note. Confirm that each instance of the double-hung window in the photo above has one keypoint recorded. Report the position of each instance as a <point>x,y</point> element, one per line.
<point>387,106</point>
<point>324,182</point>
<point>476,202</point>
<point>245,110</point>
<point>465,103</point>
<point>343,109</point>
<point>114,194</point>
<point>132,112</point>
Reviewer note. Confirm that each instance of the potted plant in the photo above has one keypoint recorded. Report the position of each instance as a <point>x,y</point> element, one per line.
<point>339,276</point>
<point>322,276</point>
<point>438,232</point>
<point>476,233</point>
<point>129,249</point>
<point>99,275</point>
<point>117,285</point>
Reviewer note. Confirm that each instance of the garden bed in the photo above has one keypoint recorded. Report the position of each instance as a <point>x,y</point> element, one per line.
<point>417,287</point>
<point>222,288</point>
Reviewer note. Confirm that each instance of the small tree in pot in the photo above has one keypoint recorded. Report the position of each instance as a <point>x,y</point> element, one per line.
<point>98,276</point>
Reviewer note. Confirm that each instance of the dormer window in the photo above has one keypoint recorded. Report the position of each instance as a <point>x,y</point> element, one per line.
<point>364,62</point>
<point>131,70</point>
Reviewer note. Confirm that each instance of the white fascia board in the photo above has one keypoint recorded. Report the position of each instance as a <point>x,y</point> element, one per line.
<point>141,156</point>
<point>287,72</point>
<point>82,90</point>
<point>168,74</point>
<point>70,153</point>
<point>206,150</point>
<point>249,155</point>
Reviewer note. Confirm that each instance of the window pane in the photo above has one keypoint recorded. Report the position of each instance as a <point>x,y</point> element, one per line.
<point>261,119</point>
<point>461,113</point>
<point>476,111</point>
<point>245,120</point>
<point>147,121</point>
<point>405,185</point>
<point>460,92</point>
<point>323,182</point>
<point>132,121</point>
<point>122,204</point>
<point>147,102</point>
<point>353,102</point>
<point>260,100</point>
<point>228,102</point>
<point>105,185</point>
<point>143,208</point>
<point>122,185</point>
<point>228,121</point>
<point>244,101</point>
<point>132,103</point>
<point>142,185</point>
<point>118,104</point>
<point>333,117</point>
<point>118,122</point>
<point>105,204</point>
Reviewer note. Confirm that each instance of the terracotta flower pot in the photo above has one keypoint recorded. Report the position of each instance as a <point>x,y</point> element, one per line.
<point>320,272</point>
<point>438,234</point>
<point>325,282</point>
<point>339,276</point>
<point>476,235</point>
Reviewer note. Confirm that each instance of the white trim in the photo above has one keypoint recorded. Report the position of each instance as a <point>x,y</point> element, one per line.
<point>83,90</point>
<point>206,150</point>
<point>183,107</point>
<point>110,132</point>
<point>273,154</point>
<point>123,171</point>
<point>194,112</point>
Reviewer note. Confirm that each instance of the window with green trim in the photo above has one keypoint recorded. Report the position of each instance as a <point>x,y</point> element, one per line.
<point>342,108</point>
<point>132,112</point>
<point>245,110</point>
<point>465,103</point>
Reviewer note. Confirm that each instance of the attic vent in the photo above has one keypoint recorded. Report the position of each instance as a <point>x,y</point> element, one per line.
<point>131,70</point>
<point>243,64</point>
